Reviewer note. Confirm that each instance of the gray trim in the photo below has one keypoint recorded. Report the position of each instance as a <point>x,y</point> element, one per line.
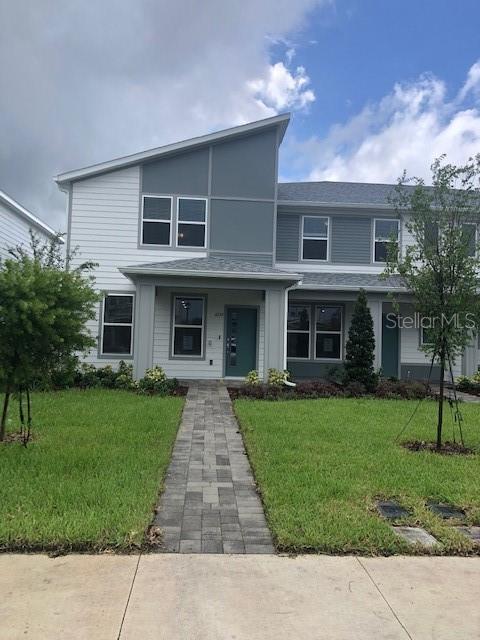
<point>115,356</point>
<point>186,294</point>
<point>69,223</point>
<point>257,354</point>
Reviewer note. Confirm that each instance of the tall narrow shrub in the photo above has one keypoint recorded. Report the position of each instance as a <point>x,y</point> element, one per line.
<point>359,357</point>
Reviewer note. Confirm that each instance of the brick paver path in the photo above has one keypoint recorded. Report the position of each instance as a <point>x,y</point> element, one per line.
<point>210,504</point>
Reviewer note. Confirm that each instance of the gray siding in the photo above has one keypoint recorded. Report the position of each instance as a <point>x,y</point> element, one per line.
<point>186,173</point>
<point>351,239</point>
<point>311,369</point>
<point>245,168</point>
<point>241,226</point>
<point>414,371</point>
<point>256,258</point>
<point>288,234</point>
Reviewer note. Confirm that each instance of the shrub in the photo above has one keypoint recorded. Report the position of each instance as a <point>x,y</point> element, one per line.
<point>277,378</point>
<point>406,389</point>
<point>252,378</point>
<point>469,384</point>
<point>355,389</point>
<point>156,381</point>
<point>359,351</point>
<point>317,389</point>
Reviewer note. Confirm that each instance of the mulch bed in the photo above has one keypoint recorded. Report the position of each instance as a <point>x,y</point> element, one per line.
<point>448,448</point>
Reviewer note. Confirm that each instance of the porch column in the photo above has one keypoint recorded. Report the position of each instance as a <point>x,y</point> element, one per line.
<point>143,331</point>
<point>276,300</point>
<point>376,307</point>
<point>469,359</point>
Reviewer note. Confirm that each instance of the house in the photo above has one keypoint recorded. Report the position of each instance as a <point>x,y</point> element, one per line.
<point>16,223</point>
<point>211,268</point>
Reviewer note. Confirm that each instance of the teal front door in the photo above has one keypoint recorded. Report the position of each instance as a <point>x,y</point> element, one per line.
<point>389,348</point>
<point>240,341</point>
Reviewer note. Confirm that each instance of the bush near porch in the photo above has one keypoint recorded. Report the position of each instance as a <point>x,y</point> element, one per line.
<point>90,478</point>
<point>322,464</point>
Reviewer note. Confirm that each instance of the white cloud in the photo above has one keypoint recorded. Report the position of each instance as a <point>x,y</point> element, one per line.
<point>280,89</point>
<point>86,82</point>
<point>407,129</point>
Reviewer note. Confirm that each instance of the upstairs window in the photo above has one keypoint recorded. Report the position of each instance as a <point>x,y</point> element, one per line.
<point>157,220</point>
<point>298,331</point>
<point>386,233</point>
<point>192,222</point>
<point>328,332</point>
<point>117,325</point>
<point>315,238</point>
<point>188,326</point>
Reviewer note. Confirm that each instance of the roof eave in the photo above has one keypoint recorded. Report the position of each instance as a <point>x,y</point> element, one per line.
<point>252,275</point>
<point>27,215</point>
<point>334,205</point>
<point>341,287</point>
<point>280,120</point>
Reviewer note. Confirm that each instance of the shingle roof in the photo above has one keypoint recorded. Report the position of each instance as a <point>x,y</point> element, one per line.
<point>335,192</point>
<point>351,281</point>
<point>214,266</point>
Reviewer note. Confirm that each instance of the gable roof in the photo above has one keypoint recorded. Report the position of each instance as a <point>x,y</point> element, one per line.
<point>212,267</point>
<point>325,192</point>
<point>281,121</point>
<point>23,213</point>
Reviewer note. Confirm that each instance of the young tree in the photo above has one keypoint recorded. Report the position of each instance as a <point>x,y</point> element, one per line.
<point>360,348</point>
<point>43,311</point>
<point>441,264</point>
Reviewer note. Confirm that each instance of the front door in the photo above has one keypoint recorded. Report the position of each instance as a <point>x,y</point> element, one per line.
<point>240,341</point>
<point>389,348</point>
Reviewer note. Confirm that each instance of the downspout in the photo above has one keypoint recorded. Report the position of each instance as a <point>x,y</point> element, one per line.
<point>287,383</point>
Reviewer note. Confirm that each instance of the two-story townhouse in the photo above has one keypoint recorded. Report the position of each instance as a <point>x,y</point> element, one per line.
<point>211,268</point>
<point>16,223</point>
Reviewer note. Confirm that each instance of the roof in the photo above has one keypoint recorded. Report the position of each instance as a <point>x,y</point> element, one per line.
<point>353,193</point>
<point>212,267</point>
<point>281,121</point>
<point>23,213</point>
<point>351,281</point>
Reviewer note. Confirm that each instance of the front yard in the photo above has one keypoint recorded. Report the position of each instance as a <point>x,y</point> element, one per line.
<point>321,465</point>
<point>91,476</point>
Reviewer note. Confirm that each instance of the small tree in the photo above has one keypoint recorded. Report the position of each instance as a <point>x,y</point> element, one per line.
<point>360,348</point>
<point>43,311</point>
<point>440,266</point>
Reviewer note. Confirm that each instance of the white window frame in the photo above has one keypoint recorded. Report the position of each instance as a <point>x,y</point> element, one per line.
<point>178,221</point>
<point>309,331</point>
<point>104,324</point>
<point>170,222</point>
<point>336,333</point>
<point>174,355</point>
<point>375,236</point>
<point>303,237</point>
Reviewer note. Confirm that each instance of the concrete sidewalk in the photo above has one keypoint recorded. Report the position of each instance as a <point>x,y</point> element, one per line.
<point>209,597</point>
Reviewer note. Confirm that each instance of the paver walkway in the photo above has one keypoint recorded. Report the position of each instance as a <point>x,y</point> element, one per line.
<point>210,503</point>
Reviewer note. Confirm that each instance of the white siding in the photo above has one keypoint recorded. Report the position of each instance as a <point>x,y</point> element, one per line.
<point>215,330</point>
<point>14,231</point>
<point>104,229</point>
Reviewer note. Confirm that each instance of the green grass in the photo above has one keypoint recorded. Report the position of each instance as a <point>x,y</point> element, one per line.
<point>321,464</point>
<point>91,477</point>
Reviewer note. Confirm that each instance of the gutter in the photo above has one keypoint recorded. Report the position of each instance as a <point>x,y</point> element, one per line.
<point>255,275</point>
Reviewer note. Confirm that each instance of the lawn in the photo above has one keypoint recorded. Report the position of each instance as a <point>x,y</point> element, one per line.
<point>91,477</point>
<point>321,465</point>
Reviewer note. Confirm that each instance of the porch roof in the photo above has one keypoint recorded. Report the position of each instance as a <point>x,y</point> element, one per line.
<point>351,282</point>
<point>212,267</point>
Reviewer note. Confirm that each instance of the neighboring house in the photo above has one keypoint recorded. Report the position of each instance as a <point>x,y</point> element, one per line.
<point>16,222</point>
<point>211,268</point>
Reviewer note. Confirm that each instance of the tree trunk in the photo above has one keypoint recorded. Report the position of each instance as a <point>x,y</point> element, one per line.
<point>3,423</point>
<point>440,402</point>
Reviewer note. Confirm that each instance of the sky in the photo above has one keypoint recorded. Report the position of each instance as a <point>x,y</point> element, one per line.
<point>374,86</point>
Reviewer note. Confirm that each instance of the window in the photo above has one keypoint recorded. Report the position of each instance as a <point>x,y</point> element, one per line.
<point>191,222</point>
<point>328,332</point>
<point>117,326</point>
<point>386,233</point>
<point>188,326</point>
<point>298,331</point>
<point>315,238</point>
<point>469,230</point>
<point>426,336</point>
<point>157,220</point>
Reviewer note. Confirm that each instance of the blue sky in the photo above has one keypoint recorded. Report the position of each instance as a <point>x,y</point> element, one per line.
<point>374,86</point>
